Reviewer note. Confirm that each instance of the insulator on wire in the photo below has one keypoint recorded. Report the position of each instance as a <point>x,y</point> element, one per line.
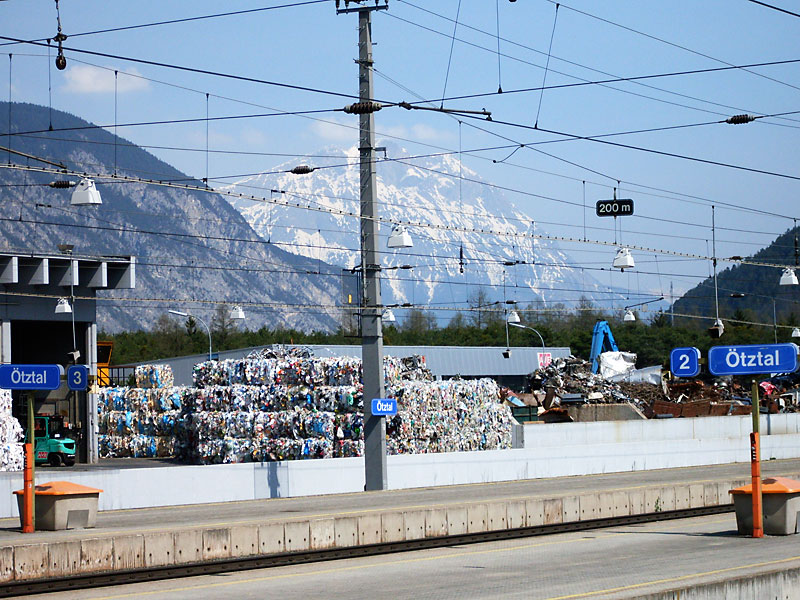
<point>61,184</point>
<point>302,170</point>
<point>740,119</point>
<point>362,108</point>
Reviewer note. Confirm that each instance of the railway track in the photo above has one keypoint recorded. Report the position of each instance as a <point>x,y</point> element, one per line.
<point>78,582</point>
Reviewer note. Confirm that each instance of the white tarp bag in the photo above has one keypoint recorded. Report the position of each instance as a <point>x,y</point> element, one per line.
<point>646,375</point>
<point>616,363</point>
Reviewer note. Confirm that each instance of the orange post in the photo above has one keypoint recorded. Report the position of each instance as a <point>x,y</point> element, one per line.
<point>755,466</point>
<point>27,489</point>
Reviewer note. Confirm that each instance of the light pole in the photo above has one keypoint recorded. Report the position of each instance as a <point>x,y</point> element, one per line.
<point>185,314</point>
<point>541,339</point>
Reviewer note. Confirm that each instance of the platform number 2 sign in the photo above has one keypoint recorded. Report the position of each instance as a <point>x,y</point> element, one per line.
<point>685,362</point>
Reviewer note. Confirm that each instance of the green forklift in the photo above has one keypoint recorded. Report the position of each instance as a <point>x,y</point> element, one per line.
<point>51,446</point>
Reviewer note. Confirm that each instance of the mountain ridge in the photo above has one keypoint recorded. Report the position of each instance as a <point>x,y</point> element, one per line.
<point>193,250</point>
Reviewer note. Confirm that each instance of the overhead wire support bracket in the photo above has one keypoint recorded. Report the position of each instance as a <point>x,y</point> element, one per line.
<point>455,111</point>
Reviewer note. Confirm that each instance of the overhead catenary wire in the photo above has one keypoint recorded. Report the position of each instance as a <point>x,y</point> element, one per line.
<point>182,20</point>
<point>546,66</point>
<point>433,226</point>
<point>673,44</point>
<point>389,103</point>
<point>685,223</point>
<point>640,185</point>
<point>778,8</point>
<point>606,84</point>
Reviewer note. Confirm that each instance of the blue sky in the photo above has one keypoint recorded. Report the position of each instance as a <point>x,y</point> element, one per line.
<point>311,46</point>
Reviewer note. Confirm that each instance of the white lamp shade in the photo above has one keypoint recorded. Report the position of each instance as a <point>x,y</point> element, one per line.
<point>237,313</point>
<point>795,332</point>
<point>63,307</point>
<point>623,259</point>
<point>788,277</point>
<point>513,317</point>
<point>388,316</point>
<point>629,316</point>
<point>718,328</point>
<point>400,238</point>
<point>85,193</point>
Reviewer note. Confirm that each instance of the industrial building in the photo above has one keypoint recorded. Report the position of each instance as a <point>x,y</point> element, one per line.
<point>444,362</point>
<point>48,315</point>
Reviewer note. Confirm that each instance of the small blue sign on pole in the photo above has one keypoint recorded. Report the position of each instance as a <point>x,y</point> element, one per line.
<point>752,359</point>
<point>30,377</point>
<point>384,407</point>
<point>685,362</point>
<point>77,377</point>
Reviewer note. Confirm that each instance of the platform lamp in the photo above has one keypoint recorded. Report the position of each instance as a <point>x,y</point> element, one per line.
<point>400,238</point>
<point>512,318</point>
<point>181,313</point>
<point>84,194</point>
<point>623,259</point>
<point>630,316</point>
<point>65,306</point>
<point>789,277</point>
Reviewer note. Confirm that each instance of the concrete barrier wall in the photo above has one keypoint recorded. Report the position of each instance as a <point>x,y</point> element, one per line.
<point>553,450</point>
<point>604,432</point>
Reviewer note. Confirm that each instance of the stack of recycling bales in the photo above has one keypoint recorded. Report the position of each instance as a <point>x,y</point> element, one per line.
<point>286,404</point>
<point>12,455</point>
<point>141,422</point>
<point>448,416</point>
<point>276,405</point>
<point>295,406</point>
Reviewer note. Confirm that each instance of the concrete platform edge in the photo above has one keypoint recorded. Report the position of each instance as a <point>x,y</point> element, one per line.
<point>94,554</point>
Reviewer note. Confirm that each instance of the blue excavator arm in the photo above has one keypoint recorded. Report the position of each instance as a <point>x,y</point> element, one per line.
<point>602,341</point>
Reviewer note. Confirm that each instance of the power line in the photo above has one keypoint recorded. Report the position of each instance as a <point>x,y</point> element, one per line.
<point>584,81</point>
<point>183,20</point>
<point>154,63</point>
<point>674,45</point>
<point>433,226</point>
<point>783,10</point>
<point>600,140</point>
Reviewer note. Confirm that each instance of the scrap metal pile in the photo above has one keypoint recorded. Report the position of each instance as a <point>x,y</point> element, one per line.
<point>281,404</point>
<point>571,379</point>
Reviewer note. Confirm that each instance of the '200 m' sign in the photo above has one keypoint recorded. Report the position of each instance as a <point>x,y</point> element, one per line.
<point>614,208</point>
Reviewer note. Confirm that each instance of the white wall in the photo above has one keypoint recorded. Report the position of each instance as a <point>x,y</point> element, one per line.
<point>550,450</point>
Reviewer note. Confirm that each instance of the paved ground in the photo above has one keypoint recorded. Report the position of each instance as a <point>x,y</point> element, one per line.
<point>288,509</point>
<point>621,562</point>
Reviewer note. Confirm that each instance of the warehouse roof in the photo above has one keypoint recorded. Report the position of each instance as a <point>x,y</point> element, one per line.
<point>443,361</point>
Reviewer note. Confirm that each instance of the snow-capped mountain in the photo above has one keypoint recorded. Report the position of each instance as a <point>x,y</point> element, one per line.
<point>451,258</point>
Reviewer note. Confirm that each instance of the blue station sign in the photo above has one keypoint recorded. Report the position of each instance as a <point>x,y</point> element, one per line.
<point>77,377</point>
<point>752,359</point>
<point>30,377</point>
<point>384,407</point>
<point>684,362</point>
